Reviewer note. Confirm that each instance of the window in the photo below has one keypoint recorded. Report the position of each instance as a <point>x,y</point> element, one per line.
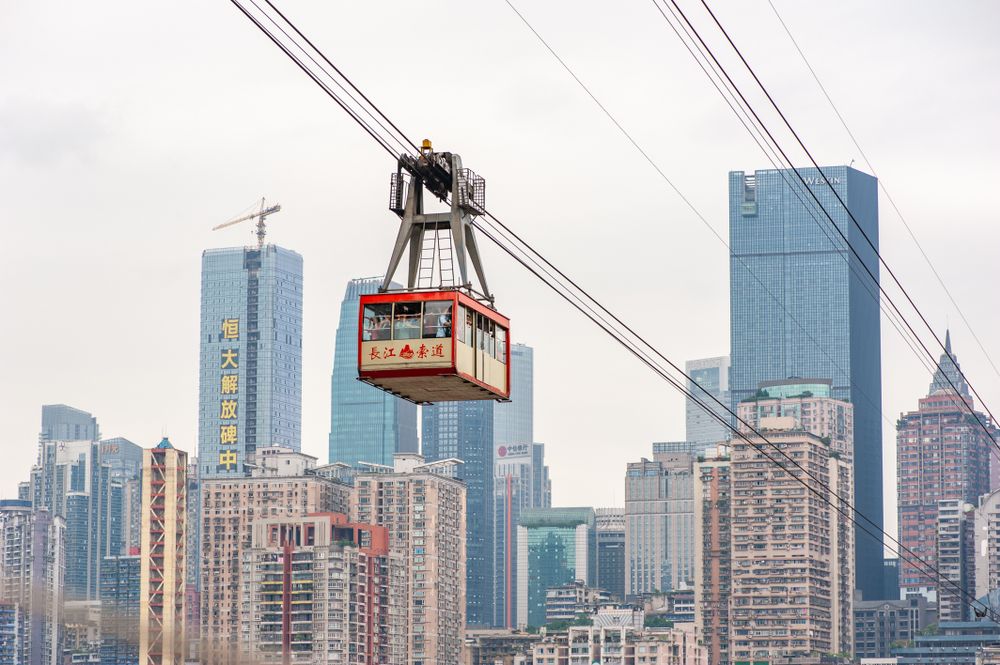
<point>376,322</point>
<point>406,321</point>
<point>469,325</point>
<point>502,344</point>
<point>437,319</point>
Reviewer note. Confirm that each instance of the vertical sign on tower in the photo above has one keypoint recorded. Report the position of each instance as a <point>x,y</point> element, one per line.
<point>229,389</point>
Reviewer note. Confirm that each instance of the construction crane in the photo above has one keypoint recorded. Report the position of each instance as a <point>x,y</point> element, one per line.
<point>260,216</point>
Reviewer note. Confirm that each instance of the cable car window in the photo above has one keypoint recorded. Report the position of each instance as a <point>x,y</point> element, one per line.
<point>376,322</point>
<point>490,348</point>
<point>480,333</point>
<point>406,321</point>
<point>469,325</point>
<point>502,344</point>
<point>437,318</point>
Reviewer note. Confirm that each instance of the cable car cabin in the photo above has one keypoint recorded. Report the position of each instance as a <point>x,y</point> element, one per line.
<point>433,346</point>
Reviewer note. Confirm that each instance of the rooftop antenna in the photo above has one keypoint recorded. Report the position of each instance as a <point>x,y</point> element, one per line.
<point>260,216</point>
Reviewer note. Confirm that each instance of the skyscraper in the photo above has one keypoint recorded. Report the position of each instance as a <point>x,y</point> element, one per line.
<point>713,552</point>
<point>942,453</point>
<point>366,424</point>
<point>120,610</point>
<point>65,423</point>
<point>712,374</point>
<point>71,481</point>
<point>610,527</point>
<point>514,421</point>
<point>520,478</point>
<point>282,484</point>
<point>659,524</point>
<point>32,564</point>
<point>792,560</point>
<point>421,504</point>
<point>801,305</point>
<point>338,607</point>
<point>163,556</point>
<point>464,430</point>
<point>555,546</point>
<point>250,387</point>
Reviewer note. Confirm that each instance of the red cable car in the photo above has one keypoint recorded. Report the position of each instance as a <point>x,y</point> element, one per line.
<point>433,343</point>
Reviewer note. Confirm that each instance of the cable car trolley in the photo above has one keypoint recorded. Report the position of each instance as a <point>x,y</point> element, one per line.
<point>438,339</point>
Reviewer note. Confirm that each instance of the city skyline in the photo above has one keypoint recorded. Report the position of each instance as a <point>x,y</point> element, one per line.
<point>167,281</point>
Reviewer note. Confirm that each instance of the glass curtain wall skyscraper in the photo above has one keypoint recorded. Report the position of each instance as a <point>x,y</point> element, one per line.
<point>464,430</point>
<point>712,375</point>
<point>250,389</point>
<point>366,424</point>
<point>802,305</point>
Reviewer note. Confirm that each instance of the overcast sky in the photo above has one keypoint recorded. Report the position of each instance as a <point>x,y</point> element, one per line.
<point>129,129</point>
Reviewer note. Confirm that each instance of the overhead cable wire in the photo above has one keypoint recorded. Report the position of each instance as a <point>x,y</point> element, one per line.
<point>330,93</point>
<point>882,186</point>
<point>645,357</point>
<point>761,143</point>
<point>843,204</point>
<point>854,250</point>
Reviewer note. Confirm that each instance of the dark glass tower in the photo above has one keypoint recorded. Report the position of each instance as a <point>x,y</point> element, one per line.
<point>464,430</point>
<point>825,322</point>
<point>366,424</point>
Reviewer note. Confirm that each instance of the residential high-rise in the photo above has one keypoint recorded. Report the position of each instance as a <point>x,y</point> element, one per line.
<point>610,526</point>
<point>956,560</point>
<point>792,580</point>
<point>712,375</point>
<point>801,305</point>
<point>250,385</point>
<point>659,524</point>
<point>713,553</point>
<point>464,431</point>
<point>120,577</point>
<point>422,506</point>
<point>11,632</point>
<point>32,566</point>
<point>163,556</point>
<point>366,424</point>
<point>942,453</point>
<point>316,589</point>
<point>283,484</point>
<point>987,543</point>
<point>555,546</point>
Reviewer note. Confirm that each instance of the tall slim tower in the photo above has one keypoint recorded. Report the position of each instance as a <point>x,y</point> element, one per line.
<point>943,454</point>
<point>250,387</point>
<point>366,424</point>
<point>801,305</point>
<point>163,557</point>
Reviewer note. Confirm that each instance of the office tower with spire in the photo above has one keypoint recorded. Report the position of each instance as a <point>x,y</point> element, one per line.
<point>366,424</point>
<point>250,382</point>
<point>943,454</point>
<point>801,305</point>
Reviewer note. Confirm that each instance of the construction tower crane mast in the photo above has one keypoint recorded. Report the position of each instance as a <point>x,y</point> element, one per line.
<point>260,216</point>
